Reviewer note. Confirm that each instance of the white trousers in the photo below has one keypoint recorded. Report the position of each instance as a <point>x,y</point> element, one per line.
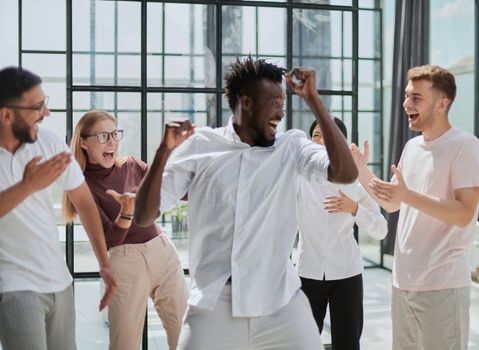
<point>433,320</point>
<point>291,327</point>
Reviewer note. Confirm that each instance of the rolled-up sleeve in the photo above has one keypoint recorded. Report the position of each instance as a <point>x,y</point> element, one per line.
<point>177,175</point>
<point>369,217</point>
<point>312,159</point>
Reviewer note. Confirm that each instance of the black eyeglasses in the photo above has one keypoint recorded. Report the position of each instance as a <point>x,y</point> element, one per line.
<point>39,107</point>
<point>104,136</point>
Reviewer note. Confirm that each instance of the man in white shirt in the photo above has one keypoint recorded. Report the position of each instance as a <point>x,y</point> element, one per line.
<point>436,188</point>
<point>242,182</point>
<point>329,259</point>
<point>37,308</point>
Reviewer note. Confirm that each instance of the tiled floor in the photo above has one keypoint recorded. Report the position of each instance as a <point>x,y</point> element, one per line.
<point>92,331</point>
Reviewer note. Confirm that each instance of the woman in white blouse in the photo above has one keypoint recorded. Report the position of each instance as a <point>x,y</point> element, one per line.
<point>330,262</point>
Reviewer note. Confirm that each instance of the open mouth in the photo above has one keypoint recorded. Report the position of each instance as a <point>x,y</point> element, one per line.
<point>35,125</point>
<point>108,155</point>
<point>412,118</point>
<point>273,125</point>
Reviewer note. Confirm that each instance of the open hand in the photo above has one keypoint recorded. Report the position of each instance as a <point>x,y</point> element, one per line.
<point>340,204</point>
<point>395,191</point>
<point>37,175</point>
<point>361,158</point>
<point>106,274</point>
<point>126,200</point>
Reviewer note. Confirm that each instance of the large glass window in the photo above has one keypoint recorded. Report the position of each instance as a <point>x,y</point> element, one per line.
<point>106,40</point>
<point>370,112</point>
<point>181,45</point>
<point>450,20</point>
<point>8,33</point>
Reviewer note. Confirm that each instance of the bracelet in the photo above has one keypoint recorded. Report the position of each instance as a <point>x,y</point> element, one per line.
<point>126,217</point>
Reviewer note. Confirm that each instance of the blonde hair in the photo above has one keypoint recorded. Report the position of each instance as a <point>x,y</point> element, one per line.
<point>83,128</point>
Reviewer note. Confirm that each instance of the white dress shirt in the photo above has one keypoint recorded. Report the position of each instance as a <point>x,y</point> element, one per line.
<point>327,248</point>
<point>242,215</point>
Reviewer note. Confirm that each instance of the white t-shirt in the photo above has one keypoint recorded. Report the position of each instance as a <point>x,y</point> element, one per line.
<point>327,248</point>
<point>429,253</point>
<point>242,214</point>
<point>31,256</point>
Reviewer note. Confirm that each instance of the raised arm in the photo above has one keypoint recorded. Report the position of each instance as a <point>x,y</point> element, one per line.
<point>342,168</point>
<point>458,211</point>
<point>148,197</point>
<point>117,229</point>
<point>36,177</point>
<point>82,199</point>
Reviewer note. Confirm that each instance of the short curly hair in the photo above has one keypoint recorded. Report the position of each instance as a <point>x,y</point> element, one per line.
<point>243,77</point>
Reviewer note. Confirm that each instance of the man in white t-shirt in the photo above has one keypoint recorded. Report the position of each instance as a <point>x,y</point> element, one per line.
<point>242,181</point>
<point>37,308</point>
<point>436,188</point>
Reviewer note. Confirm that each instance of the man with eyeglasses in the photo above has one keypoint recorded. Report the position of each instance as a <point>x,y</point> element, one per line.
<point>36,293</point>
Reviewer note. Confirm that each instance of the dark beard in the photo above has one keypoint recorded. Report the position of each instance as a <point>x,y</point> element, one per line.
<point>21,130</point>
<point>261,141</point>
<point>259,138</point>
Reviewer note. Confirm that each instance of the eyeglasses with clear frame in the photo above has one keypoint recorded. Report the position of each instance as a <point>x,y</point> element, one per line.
<point>40,107</point>
<point>104,136</point>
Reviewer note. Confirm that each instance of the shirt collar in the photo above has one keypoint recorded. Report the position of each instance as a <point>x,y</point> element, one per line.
<point>231,132</point>
<point>20,149</point>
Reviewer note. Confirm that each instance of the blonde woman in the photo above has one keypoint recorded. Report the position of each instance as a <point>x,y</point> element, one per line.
<point>144,260</point>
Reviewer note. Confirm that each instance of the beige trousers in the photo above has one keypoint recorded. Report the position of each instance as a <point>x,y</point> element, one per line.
<point>149,269</point>
<point>433,320</point>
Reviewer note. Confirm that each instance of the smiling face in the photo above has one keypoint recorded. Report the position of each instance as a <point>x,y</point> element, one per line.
<point>266,110</point>
<point>25,123</point>
<point>103,154</point>
<point>422,105</point>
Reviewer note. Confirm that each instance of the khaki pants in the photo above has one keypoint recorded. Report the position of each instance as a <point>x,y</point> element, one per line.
<point>141,270</point>
<point>291,327</point>
<point>434,320</point>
